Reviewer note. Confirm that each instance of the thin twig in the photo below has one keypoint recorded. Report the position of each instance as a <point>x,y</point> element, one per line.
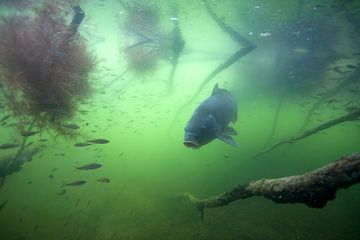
<point>352,116</point>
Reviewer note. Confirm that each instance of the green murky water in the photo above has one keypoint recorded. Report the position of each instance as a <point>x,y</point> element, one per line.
<point>304,49</point>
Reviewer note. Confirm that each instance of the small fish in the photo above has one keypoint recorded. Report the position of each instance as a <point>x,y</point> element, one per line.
<point>83,112</point>
<point>20,238</point>
<point>332,100</point>
<point>76,183</point>
<point>71,126</point>
<point>3,119</point>
<point>90,166</point>
<point>350,66</point>
<point>35,228</point>
<point>337,69</point>
<point>98,141</point>
<point>104,180</point>
<point>353,108</point>
<point>8,145</point>
<point>321,94</point>
<point>29,133</point>
<point>62,192</point>
<point>3,205</point>
<point>353,90</point>
<point>82,144</point>
<point>11,125</point>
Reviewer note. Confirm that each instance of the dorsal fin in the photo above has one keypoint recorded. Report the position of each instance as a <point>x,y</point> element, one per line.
<point>219,91</point>
<point>215,89</point>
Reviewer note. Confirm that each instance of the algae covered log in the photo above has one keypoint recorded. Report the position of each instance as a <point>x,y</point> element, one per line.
<point>314,188</point>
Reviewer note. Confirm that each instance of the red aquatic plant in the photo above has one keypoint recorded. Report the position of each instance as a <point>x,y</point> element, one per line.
<point>144,46</point>
<point>19,4</point>
<point>44,63</point>
<point>142,60</point>
<point>141,17</point>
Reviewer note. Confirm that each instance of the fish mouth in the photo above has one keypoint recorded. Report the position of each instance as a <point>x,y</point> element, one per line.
<point>191,144</point>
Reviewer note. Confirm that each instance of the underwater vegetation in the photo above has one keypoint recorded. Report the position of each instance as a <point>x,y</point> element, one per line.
<point>103,147</point>
<point>148,41</point>
<point>307,47</point>
<point>44,65</point>
<point>18,4</point>
<point>142,21</point>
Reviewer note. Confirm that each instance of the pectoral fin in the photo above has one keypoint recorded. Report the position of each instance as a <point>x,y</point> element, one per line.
<point>230,131</point>
<point>228,139</point>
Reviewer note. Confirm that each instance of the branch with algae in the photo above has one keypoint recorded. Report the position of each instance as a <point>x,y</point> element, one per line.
<point>313,189</point>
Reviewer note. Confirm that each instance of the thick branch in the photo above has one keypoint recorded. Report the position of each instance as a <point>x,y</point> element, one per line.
<point>78,17</point>
<point>314,188</point>
<point>352,116</point>
<point>227,29</point>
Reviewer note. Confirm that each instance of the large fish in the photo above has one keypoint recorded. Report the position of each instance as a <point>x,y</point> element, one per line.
<point>211,119</point>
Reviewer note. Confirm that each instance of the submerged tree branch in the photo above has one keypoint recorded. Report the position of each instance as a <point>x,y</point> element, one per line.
<point>314,188</point>
<point>331,93</point>
<point>13,163</point>
<point>276,117</point>
<point>352,116</point>
<point>246,47</point>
